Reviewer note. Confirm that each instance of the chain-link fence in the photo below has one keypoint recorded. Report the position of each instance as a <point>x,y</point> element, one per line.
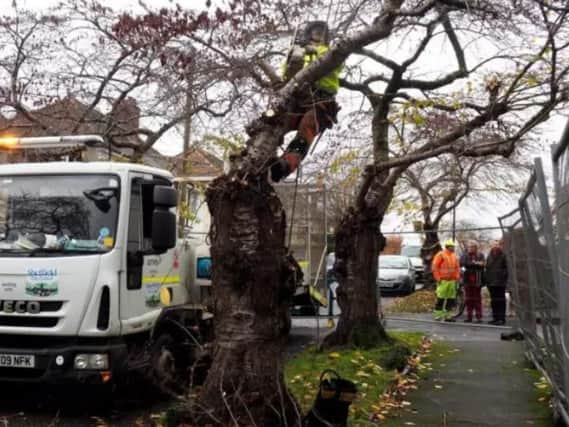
<point>536,241</point>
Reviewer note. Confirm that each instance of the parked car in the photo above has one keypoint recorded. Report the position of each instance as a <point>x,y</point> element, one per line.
<point>414,253</point>
<point>395,274</point>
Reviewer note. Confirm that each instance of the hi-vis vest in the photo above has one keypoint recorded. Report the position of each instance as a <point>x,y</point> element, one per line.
<point>330,83</point>
<point>446,266</point>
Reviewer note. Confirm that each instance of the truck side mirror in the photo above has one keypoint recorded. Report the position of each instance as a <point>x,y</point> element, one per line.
<point>164,228</point>
<point>165,196</point>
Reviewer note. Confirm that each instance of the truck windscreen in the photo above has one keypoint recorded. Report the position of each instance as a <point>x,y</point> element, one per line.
<point>59,214</point>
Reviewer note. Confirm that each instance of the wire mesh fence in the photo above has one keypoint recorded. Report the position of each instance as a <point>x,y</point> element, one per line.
<point>536,242</point>
<point>516,252</point>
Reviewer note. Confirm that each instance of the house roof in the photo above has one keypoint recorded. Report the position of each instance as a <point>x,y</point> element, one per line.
<point>201,163</point>
<point>61,117</point>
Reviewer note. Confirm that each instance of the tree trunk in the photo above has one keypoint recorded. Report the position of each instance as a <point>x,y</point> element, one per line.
<point>253,279</point>
<point>252,285</point>
<point>430,248</point>
<point>358,244</point>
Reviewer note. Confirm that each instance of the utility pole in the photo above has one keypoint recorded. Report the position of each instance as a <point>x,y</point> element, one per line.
<point>454,221</point>
<point>187,134</point>
<point>183,189</point>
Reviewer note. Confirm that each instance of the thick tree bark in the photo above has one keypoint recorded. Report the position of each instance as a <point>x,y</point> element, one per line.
<point>358,243</point>
<point>253,284</point>
<point>430,248</point>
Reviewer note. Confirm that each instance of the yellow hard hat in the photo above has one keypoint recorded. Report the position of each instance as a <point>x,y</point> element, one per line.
<point>450,243</point>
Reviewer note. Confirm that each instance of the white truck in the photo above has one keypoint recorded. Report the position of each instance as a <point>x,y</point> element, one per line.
<point>93,283</point>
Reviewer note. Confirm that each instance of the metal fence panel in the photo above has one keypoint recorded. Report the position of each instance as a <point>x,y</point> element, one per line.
<point>516,252</point>
<point>544,286</point>
<point>561,208</point>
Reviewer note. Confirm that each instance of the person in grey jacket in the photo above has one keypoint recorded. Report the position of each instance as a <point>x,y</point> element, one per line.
<point>496,277</point>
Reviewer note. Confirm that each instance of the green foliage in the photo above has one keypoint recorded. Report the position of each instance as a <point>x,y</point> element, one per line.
<point>368,336</point>
<point>186,214</point>
<point>397,357</point>
<point>372,370</point>
<point>404,208</point>
<point>341,161</point>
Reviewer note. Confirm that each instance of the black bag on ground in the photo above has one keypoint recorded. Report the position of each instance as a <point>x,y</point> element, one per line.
<point>330,409</point>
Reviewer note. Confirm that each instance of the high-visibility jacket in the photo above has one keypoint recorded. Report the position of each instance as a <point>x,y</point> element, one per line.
<point>330,83</point>
<point>446,266</point>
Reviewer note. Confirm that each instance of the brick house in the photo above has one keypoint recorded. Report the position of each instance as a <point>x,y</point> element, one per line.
<point>61,117</point>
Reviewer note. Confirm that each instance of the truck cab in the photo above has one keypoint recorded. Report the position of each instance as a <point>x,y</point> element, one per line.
<point>93,283</point>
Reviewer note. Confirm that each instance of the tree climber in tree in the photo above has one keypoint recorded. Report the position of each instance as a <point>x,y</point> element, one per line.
<point>317,110</point>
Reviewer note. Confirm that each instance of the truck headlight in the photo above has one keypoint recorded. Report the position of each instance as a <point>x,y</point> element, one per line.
<point>81,361</point>
<point>99,361</point>
<point>92,361</point>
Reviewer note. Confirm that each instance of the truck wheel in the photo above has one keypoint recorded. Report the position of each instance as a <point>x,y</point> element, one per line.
<point>168,371</point>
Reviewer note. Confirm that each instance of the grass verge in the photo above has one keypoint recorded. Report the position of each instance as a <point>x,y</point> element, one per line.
<point>542,399</point>
<point>376,372</point>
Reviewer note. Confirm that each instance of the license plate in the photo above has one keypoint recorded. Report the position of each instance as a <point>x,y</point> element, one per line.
<point>387,285</point>
<point>17,361</point>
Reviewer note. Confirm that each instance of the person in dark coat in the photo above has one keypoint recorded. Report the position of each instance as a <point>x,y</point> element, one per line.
<point>473,264</point>
<point>496,277</point>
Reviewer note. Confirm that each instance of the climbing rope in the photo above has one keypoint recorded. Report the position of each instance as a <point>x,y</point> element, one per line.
<point>295,193</point>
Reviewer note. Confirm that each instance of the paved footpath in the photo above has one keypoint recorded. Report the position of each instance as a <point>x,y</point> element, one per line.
<point>482,384</point>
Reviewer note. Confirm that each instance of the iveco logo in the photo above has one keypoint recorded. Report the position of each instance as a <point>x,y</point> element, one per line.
<point>20,306</point>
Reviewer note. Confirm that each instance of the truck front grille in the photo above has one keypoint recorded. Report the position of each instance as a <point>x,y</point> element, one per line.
<point>21,373</point>
<point>29,321</point>
<point>50,305</point>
